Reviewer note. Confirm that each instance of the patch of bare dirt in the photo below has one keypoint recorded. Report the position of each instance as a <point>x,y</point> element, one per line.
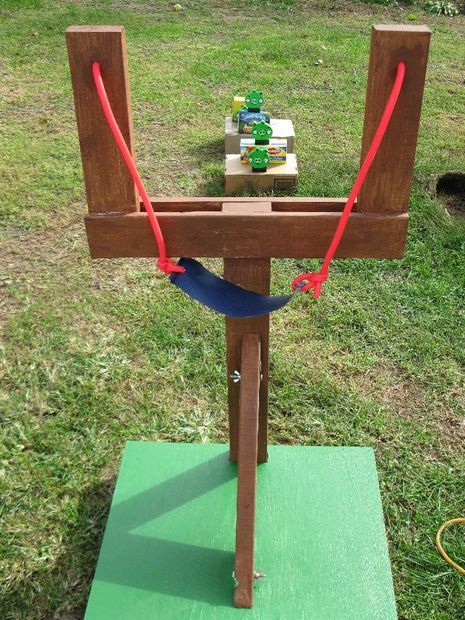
<point>56,259</point>
<point>450,189</point>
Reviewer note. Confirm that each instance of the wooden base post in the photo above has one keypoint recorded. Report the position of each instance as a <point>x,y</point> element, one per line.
<point>247,469</point>
<point>253,274</point>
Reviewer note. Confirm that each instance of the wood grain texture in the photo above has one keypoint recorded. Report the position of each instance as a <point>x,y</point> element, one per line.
<point>109,186</point>
<point>387,186</point>
<point>247,470</point>
<point>218,234</point>
<point>254,275</point>
<point>288,203</point>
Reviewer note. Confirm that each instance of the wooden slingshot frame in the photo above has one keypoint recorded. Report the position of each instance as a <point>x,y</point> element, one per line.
<point>247,232</point>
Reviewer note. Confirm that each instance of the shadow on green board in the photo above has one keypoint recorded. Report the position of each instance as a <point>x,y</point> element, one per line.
<point>190,571</point>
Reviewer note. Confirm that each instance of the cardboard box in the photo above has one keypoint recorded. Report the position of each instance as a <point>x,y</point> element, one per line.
<point>239,178</point>
<point>277,150</point>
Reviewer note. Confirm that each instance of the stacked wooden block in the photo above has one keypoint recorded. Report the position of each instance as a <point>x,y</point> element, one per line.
<point>239,174</point>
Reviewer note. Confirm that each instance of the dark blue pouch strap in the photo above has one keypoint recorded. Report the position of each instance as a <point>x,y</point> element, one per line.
<point>222,296</point>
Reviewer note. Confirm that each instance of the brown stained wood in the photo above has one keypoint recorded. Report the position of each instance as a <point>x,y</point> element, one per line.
<point>109,186</point>
<point>246,208</point>
<point>247,470</point>
<point>387,186</point>
<point>317,204</point>
<point>182,204</point>
<point>235,270</point>
<point>254,275</point>
<point>218,234</point>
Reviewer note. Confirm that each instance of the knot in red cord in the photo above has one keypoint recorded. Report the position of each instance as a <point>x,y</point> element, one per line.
<point>308,281</point>
<point>167,266</point>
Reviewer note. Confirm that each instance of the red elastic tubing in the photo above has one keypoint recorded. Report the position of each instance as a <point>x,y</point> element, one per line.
<point>164,263</point>
<point>315,280</point>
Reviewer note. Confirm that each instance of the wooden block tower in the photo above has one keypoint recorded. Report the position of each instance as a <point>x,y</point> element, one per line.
<point>280,169</point>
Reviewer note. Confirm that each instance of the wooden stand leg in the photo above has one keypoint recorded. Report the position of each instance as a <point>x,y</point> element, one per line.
<point>387,186</point>
<point>253,274</point>
<point>247,469</point>
<point>109,185</point>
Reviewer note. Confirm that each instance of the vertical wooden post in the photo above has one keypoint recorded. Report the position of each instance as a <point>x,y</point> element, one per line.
<point>252,274</point>
<point>247,469</point>
<point>387,186</point>
<point>109,186</point>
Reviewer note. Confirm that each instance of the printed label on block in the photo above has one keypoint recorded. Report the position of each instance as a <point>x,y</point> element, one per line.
<point>246,119</point>
<point>277,150</point>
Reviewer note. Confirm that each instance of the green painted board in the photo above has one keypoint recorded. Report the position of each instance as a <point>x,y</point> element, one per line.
<point>168,548</point>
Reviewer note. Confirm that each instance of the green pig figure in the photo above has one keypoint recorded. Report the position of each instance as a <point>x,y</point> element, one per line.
<point>254,101</point>
<point>262,132</point>
<point>259,159</point>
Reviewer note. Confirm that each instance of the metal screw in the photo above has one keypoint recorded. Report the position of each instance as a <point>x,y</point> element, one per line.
<point>236,376</point>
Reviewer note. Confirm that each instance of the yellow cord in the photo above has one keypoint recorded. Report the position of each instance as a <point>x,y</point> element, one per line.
<point>449,560</point>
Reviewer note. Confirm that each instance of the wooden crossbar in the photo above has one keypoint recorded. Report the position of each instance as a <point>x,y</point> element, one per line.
<point>278,203</point>
<point>247,234</point>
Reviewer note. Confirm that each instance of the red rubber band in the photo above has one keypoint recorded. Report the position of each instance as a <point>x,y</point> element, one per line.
<point>315,280</point>
<point>164,263</point>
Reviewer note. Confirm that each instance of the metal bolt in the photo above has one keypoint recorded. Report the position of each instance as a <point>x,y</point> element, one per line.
<point>236,376</point>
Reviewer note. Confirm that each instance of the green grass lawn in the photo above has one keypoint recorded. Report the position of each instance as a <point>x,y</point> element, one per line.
<point>95,353</point>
